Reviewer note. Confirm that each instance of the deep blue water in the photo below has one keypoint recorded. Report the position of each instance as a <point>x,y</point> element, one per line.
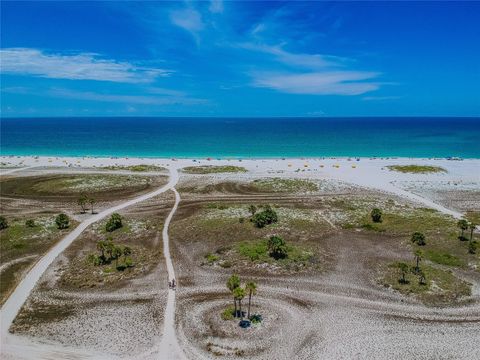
<point>241,137</point>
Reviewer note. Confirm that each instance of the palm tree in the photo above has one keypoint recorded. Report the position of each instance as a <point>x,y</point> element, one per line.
<point>239,294</point>
<point>418,258</point>
<point>92,202</point>
<point>251,288</point>
<point>233,283</point>
<point>463,225</point>
<point>403,269</point>
<point>472,227</point>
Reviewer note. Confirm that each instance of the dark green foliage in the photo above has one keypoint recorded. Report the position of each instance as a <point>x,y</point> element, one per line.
<point>376,215</point>
<point>265,217</point>
<point>277,247</point>
<point>256,318</point>
<point>3,223</point>
<point>82,202</point>
<point>252,209</point>
<point>30,223</point>
<point>418,238</point>
<point>114,223</point>
<point>472,247</point>
<point>110,252</point>
<point>62,221</point>
<point>462,225</point>
<point>403,267</point>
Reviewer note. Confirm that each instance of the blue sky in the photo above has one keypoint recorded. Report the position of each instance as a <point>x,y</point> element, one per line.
<point>240,58</point>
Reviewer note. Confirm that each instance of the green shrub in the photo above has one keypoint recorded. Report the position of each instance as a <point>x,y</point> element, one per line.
<point>211,258</point>
<point>30,223</point>
<point>228,313</point>
<point>265,217</point>
<point>114,223</point>
<point>472,247</point>
<point>376,215</point>
<point>277,247</point>
<point>418,238</point>
<point>3,223</point>
<point>62,221</point>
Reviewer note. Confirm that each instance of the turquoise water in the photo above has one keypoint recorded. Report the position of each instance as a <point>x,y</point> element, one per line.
<point>241,137</point>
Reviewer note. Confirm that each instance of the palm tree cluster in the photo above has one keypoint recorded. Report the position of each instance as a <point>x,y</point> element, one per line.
<point>239,293</point>
<point>405,269</point>
<point>85,200</point>
<point>109,252</point>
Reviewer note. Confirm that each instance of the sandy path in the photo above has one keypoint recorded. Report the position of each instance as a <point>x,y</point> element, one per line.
<point>16,300</point>
<point>169,347</point>
<point>7,172</point>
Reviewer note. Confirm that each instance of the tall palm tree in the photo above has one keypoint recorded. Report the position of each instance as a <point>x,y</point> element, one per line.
<point>232,284</point>
<point>239,294</point>
<point>418,258</point>
<point>472,227</point>
<point>251,288</point>
<point>463,225</point>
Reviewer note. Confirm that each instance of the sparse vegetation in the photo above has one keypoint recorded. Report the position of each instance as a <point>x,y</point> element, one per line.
<point>135,168</point>
<point>417,169</point>
<point>211,169</point>
<point>463,226</point>
<point>30,223</point>
<point>284,185</point>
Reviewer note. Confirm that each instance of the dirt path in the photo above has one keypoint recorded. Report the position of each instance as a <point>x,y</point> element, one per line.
<point>7,172</point>
<point>169,347</point>
<point>16,300</point>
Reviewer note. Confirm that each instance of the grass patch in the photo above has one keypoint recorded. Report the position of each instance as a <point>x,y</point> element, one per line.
<point>441,287</point>
<point>228,313</point>
<point>211,169</point>
<point>10,276</point>
<point>473,216</point>
<point>284,185</point>
<point>443,258</point>
<point>257,251</point>
<point>135,168</point>
<point>417,169</point>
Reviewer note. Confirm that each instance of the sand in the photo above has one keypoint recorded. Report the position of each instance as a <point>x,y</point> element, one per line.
<point>352,326</point>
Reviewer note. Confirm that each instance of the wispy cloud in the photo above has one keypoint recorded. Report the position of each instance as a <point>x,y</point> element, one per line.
<point>216,6</point>
<point>380,98</point>
<point>318,83</point>
<point>188,19</point>
<point>80,66</point>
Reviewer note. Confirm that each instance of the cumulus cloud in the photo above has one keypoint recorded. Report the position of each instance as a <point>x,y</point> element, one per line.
<point>80,66</point>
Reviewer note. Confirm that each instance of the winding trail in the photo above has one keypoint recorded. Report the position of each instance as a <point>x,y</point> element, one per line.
<point>169,347</point>
<point>16,300</point>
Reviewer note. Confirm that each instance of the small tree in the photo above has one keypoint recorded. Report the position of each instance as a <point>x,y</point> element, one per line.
<point>252,209</point>
<point>277,247</point>
<point>462,225</point>
<point>403,267</point>
<point>422,280</point>
<point>418,238</point>
<point>114,223</point>
<point>82,202</point>
<point>30,223</point>
<point>251,289</point>
<point>418,258</point>
<point>117,252</point>
<point>3,222</point>
<point>265,217</point>
<point>376,215</point>
<point>233,283</point>
<point>62,221</point>
<point>92,202</point>
<point>239,294</point>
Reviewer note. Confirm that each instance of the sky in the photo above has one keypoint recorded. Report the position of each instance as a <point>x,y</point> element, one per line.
<point>246,59</point>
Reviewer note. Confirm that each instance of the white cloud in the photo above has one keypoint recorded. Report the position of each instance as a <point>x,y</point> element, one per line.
<point>188,19</point>
<point>127,99</point>
<point>310,61</point>
<point>216,6</point>
<point>380,98</point>
<point>81,66</point>
<point>318,83</point>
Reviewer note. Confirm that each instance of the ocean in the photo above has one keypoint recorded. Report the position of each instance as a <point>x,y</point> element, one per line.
<point>241,137</point>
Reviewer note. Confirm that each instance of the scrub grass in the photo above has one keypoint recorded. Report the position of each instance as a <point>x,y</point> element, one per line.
<point>211,169</point>
<point>284,185</point>
<point>417,169</point>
